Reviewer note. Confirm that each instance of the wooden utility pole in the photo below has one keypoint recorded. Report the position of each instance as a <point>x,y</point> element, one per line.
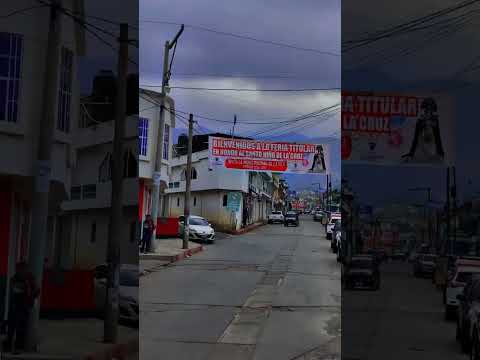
<point>116,211</point>
<point>42,175</point>
<point>161,131</point>
<point>188,185</point>
<point>448,241</point>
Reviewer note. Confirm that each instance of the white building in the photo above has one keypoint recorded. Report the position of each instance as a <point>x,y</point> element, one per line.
<point>148,140</point>
<point>209,193</point>
<point>23,44</point>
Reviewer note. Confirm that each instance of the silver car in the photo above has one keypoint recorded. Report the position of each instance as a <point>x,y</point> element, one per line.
<point>128,292</point>
<point>200,230</point>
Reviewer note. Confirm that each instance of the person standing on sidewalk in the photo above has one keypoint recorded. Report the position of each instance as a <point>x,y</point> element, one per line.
<point>23,293</point>
<point>148,231</point>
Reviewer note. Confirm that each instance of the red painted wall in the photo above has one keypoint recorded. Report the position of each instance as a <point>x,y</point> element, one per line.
<point>140,199</point>
<point>74,291</point>
<point>167,227</point>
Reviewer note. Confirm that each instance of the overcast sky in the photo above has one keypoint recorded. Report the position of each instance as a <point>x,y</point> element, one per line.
<point>205,59</point>
<point>425,61</point>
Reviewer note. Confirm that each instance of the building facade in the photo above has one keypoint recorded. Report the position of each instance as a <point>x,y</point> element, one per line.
<point>210,190</point>
<point>22,80</point>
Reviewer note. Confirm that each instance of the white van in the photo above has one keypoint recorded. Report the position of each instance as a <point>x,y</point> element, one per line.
<point>333,219</point>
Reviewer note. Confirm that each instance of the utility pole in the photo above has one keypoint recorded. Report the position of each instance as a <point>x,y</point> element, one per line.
<point>161,129</point>
<point>234,123</point>
<point>454,200</point>
<point>188,185</point>
<point>41,190</point>
<point>110,329</point>
<point>448,240</point>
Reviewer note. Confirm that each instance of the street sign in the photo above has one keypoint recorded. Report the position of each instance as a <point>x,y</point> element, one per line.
<point>233,201</point>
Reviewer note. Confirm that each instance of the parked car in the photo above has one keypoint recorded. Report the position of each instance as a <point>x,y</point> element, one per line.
<point>291,218</point>
<point>318,215</point>
<point>275,217</point>
<point>128,291</point>
<point>200,230</point>
<point>470,296</point>
<point>362,272</point>
<point>399,254</point>
<point>330,226</point>
<point>424,265</point>
<point>337,229</point>
<point>455,285</point>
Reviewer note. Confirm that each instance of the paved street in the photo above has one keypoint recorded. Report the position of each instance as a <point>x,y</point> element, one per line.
<point>273,293</point>
<point>404,320</point>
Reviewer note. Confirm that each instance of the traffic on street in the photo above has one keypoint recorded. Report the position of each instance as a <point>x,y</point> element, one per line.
<point>271,293</point>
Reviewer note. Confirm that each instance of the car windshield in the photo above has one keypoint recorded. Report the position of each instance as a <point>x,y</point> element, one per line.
<point>198,221</point>
<point>362,264</point>
<point>129,278</point>
<point>333,221</point>
<point>291,214</point>
<point>276,212</point>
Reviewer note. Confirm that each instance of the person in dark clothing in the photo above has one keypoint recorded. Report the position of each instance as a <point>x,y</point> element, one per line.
<point>318,164</point>
<point>148,231</point>
<point>23,293</point>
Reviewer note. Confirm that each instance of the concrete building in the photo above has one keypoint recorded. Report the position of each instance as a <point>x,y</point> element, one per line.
<point>148,130</point>
<point>86,214</point>
<point>23,44</point>
<point>210,189</point>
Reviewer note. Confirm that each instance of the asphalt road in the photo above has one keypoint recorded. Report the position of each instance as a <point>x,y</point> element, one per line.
<point>273,293</point>
<point>403,320</point>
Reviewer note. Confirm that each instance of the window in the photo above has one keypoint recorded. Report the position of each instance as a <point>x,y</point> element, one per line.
<point>93,232</point>
<point>130,165</point>
<point>166,141</point>
<point>178,202</point>
<point>195,201</point>
<point>105,169</point>
<point>170,185</point>
<point>225,200</point>
<point>75,192</point>
<point>176,184</point>
<point>89,191</point>
<point>65,91</point>
<point>10,64</point>
<point>193,174</point>
<point>143,136</point>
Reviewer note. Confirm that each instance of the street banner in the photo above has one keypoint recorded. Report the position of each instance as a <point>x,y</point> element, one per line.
<point>253,155</point>
<point>384,129</point>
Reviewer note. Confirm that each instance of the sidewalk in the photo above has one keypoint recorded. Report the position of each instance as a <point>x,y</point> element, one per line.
<point>79,339</point>
<point>246,229</point>
<point>167,252</point>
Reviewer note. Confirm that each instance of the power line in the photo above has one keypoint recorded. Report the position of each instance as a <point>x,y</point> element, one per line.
<point>408,26</point>
<point>242,90</point>
<point>21,11</point>
<point>245,37</point>
<point>248,76</point>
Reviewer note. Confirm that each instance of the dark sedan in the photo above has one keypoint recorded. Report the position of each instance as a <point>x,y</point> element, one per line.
<point>291,218</point>
<point>362,272</point>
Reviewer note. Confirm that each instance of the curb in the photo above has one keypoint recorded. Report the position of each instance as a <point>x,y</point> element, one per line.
<point>245,230</point>
<point>117,352</point>
<point>170,258</point>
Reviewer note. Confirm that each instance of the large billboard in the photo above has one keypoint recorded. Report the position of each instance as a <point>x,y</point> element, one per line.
<point>254,155</point>
<point>389,129</point>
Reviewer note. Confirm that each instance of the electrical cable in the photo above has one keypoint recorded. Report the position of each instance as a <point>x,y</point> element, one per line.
<point>242,90</point>
<point>245,37</point>
<point>22,11</point>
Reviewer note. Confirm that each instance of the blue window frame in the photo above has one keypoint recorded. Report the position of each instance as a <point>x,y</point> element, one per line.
<point>10,74</point>
<point>143,136</point>
<point>65,90</point>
